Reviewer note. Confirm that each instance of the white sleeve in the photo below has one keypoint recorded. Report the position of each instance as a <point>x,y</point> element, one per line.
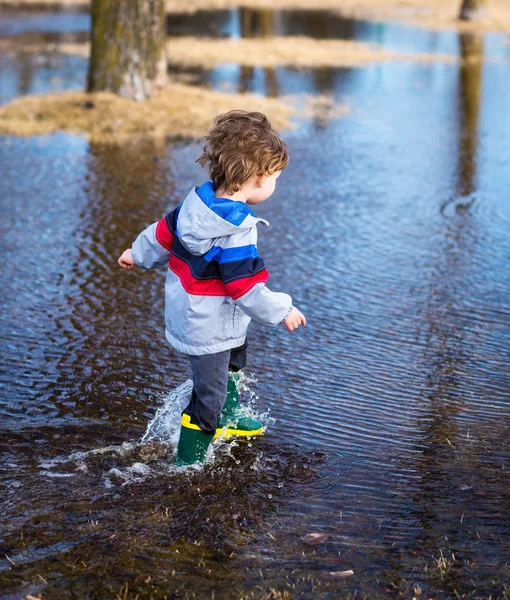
<point>147,251</point>
<point>265,306</point>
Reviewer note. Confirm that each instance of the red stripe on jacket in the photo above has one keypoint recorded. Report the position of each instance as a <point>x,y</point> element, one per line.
<point>163,235</point>
<point>214,287</point>
<point>196,287</point>
<point>240,287</point>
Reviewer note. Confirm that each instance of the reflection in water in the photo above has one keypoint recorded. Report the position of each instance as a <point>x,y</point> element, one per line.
<point>127,186</point>
<point>470,86</point>
<point>256,23</point>
<point>43,69</point>
<point>272,87</point>
<point>461,494</point>
<point>247,81</point>
<point>58,19</point>
<point>250,22</point>
<point>23,73</point>
<point>274,81</point>
<point>26,69</point>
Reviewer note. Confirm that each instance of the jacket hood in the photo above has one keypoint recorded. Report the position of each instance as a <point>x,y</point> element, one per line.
<point>203,218</point>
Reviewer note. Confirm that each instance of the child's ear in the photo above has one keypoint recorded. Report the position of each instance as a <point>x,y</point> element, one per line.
<point>260,180</point>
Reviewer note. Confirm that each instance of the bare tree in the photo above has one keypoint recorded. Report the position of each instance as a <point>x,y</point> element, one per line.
<point>473,9</point>
<point>128,47</point>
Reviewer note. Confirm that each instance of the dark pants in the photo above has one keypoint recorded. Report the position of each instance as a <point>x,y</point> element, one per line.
<point>210,379</point>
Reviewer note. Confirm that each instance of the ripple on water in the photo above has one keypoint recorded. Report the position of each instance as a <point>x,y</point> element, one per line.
<point>389,431</point>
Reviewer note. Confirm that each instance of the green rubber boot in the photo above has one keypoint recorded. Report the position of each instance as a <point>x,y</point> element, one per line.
<point>193,443</point>
<point>232,422</point>
<point>232,404</point>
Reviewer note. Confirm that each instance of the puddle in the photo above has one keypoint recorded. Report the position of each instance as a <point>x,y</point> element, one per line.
<point>389,448</point>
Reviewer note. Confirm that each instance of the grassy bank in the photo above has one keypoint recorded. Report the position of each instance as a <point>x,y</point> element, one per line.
<point>178,111</point>
<point>299,52</point>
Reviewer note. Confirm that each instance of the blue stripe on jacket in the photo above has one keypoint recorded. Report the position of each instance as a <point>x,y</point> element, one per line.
<point>233,211</point>
<point>226,255</point>
<point>227,271</point>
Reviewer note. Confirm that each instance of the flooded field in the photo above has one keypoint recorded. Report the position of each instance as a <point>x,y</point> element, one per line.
<point>384,470</point>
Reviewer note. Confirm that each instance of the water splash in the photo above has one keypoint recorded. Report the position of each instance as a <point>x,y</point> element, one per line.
<point>165,425</point>
<point>250,399</point>
<point>154,454</point>
<point>136,473</point>
<point>121,450</point>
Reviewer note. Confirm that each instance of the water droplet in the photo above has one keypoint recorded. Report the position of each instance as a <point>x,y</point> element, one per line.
<point>270,495</point>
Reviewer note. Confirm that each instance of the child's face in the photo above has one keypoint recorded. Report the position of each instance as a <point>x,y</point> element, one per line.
<point>264,186</point>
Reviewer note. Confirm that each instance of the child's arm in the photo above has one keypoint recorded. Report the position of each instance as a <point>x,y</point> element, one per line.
<point>270,308</point>
<point>245,282</point>
<point>153,246</point>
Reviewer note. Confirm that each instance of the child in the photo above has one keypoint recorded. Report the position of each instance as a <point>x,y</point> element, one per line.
<point>216,280</point>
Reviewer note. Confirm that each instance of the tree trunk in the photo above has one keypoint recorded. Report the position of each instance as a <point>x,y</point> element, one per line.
<point>473,9</point>
<point>256,22</point>
<point>128,47</point>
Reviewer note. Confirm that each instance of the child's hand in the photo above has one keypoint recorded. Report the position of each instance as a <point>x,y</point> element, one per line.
<point>126,261</point>
<point>295,319</point>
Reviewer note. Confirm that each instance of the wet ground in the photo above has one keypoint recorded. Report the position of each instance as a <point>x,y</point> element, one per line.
<point>384,471</point>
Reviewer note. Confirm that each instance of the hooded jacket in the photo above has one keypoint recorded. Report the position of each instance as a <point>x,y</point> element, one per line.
<point>216,280</point>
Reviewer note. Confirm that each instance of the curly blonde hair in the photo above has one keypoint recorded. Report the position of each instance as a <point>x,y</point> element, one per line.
<point>241,144</point>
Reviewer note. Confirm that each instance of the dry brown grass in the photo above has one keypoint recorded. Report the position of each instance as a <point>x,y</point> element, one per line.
<point>37,45</point>
<point>47,4</point>
<point>299,52</point>
<point>177,111</point>
<point>429,13</point>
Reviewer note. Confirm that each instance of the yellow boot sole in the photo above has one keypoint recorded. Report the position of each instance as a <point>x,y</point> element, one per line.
<point>226,432</point>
